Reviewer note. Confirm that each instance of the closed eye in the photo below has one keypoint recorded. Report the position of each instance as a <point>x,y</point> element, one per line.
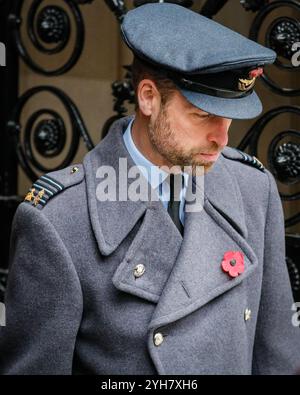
<point>201,115</point>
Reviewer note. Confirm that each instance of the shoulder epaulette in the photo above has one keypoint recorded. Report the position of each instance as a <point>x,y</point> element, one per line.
<point>236,154</point>
<point>51,184</point>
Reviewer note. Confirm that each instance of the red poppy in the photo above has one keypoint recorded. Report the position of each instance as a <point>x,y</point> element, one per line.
<point>233,263</point>
<point>256,72</point>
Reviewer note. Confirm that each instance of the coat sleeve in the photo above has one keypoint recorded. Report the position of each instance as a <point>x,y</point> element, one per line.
<point>43,300</point>
<point>277,341</point>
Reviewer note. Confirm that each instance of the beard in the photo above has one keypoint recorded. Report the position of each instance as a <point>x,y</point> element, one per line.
<point>163,139</point>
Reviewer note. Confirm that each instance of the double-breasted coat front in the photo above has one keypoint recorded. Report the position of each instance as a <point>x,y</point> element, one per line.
<point>75,306</point>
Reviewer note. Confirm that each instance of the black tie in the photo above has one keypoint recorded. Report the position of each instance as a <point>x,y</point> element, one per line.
<point>174,203</point>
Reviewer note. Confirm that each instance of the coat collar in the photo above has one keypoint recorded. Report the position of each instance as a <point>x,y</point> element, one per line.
<point>113,221</point>
<point>222,191</point>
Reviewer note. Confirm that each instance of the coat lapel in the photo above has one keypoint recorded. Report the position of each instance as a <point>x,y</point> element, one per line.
<point>197,277</point>
<point>157,242</point>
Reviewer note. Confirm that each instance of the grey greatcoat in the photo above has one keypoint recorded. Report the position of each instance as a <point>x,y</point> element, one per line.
<point>74,306</point>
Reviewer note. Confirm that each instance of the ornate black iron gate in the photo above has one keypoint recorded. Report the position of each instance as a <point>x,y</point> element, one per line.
<point>8,159</point>
<point>48,27</point>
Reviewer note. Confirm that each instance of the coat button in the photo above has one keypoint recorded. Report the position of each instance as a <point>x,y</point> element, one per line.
<point>75,169</point>
<point>247,314</point>
<point>158,339</point>
<point>139,270</point>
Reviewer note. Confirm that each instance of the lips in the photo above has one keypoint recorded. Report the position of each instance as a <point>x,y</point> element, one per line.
<point>212,157</point>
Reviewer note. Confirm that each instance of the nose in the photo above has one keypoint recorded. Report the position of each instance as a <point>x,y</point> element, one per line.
<point>219,131</point>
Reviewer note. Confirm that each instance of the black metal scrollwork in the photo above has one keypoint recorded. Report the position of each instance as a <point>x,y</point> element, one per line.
<point>117,7</point>
<point>49,29</point>
<point>212,7</point>
<point>122,92</point>
<point>53,27</point>
<point>285,158</point>
<point>48,136</point>
<point>253,5</point>
<point>283,152</point>
<point>280,36</point>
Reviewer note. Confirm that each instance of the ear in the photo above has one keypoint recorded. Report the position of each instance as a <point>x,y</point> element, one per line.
<point>148,97</point>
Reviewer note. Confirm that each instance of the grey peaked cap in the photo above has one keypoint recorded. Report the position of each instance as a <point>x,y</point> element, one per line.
<point>178,40</point>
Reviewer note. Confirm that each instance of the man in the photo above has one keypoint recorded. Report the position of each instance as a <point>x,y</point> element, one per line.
<point>145,286</point>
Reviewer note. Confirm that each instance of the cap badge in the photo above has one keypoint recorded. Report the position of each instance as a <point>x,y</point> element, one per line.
<point>247,83</point>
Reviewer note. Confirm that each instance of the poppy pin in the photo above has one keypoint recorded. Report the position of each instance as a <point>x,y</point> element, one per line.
<point>256,72</point>
<point>233,263</point>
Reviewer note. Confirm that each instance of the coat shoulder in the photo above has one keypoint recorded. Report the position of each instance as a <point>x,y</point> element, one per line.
<point>251,176</point>
<point>237,155</point>
<point>53,184</point>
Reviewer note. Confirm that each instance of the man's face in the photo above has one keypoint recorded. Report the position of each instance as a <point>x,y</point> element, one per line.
<point>185,135</point>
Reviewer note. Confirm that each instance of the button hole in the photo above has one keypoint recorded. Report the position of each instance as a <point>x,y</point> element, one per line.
<point>185,289</point>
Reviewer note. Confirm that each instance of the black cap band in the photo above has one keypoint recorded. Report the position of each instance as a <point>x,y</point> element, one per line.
<point>209,90</point>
